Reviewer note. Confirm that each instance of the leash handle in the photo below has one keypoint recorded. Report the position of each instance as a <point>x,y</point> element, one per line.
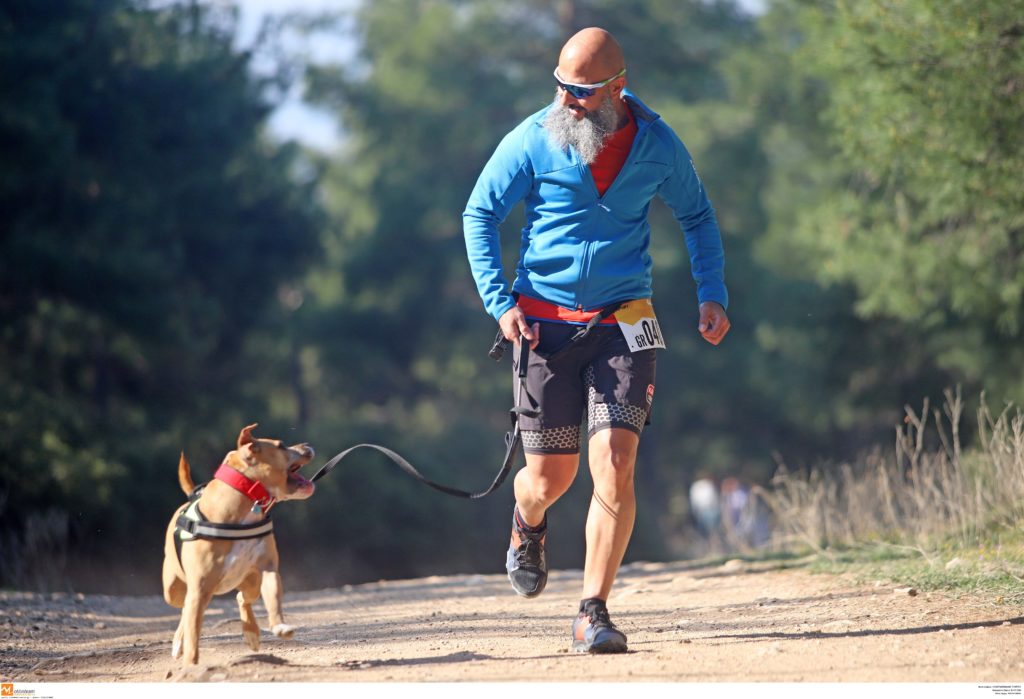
<point>524,357</point>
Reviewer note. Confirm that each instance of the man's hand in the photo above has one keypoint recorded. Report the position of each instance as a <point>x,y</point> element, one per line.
<point>714,324</point>
<point>513,324</point>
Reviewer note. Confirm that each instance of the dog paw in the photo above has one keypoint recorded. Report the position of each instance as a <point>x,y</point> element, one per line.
<point>176,649</point>
<point>283,631</point>
<point>252,639</point>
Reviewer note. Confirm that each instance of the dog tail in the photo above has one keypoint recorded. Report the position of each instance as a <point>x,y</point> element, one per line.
<point>185,475</point>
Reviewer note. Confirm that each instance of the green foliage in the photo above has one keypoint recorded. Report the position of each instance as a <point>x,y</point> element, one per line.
<point>168,274</point>
<point>925,214</point>
<point>146,228</point>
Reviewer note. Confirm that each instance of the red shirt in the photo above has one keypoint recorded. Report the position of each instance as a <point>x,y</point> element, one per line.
<point>613,155</point>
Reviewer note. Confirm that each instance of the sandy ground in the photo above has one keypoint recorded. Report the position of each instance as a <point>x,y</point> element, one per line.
<point>686,623</point>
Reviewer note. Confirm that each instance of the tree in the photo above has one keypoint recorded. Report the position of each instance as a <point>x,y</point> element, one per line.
<point>925,107</point>
<point>146,229</point>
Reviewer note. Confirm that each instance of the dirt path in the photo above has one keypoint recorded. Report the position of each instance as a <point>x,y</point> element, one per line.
<point>686,623</point>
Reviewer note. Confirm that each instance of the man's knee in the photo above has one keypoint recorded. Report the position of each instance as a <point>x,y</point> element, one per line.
<point>613,456</point>
<point>543,490</point>
<point>547,477</point>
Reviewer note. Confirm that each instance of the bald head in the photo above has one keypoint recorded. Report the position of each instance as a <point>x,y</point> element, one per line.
<point>590,56</point>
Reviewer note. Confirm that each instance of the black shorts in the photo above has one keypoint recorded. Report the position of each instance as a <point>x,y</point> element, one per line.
<point>598,374</point>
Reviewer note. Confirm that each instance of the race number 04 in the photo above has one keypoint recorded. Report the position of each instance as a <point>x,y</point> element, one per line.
<point>650,334</point>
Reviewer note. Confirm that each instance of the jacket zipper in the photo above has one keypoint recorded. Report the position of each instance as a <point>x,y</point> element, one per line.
<point>586,174</point>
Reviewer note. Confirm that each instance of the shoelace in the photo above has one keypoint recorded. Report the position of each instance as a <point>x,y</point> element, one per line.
<point>599,618</point>
<point>529,549</point>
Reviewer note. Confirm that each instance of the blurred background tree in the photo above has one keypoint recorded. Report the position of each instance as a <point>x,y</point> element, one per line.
<point>169,271</point>
<point>147,231</point>
<point>926,104</point>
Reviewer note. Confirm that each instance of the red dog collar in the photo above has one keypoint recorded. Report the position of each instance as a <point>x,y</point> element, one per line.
<point>253,490</point>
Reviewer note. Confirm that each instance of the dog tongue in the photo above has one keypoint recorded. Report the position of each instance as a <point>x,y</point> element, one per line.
<point>301,483</point>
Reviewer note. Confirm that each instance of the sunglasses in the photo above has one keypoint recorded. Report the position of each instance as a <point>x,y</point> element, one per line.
<point>582,91</point>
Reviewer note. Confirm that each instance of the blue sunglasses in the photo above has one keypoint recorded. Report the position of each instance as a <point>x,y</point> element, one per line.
<point>582,91</point>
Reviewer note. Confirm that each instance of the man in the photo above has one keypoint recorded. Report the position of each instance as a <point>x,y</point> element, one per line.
<point>587,167</point>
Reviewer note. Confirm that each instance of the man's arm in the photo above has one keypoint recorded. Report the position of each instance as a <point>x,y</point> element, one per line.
<point>684,193</point>
<point>504,181</point>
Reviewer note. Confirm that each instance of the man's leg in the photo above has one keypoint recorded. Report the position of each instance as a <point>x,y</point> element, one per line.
<point>543,480</point>
<point>612,508</point>
<point>620,390</point>
<point>609,526</point>
<point>552,448</point>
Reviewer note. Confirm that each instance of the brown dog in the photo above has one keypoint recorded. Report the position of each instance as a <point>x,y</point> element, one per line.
<point>231,546</point>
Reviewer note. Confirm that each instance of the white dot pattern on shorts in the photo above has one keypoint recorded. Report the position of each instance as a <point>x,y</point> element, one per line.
<point>604,414</point>
<point>560,438</point>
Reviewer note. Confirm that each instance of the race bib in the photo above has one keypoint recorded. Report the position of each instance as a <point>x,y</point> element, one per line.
<point>639,325</point>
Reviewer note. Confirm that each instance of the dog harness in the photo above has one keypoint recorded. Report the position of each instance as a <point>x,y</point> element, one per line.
<point>193,524</point>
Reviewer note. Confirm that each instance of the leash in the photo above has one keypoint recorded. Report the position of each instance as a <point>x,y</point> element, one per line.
<point>513,438</point>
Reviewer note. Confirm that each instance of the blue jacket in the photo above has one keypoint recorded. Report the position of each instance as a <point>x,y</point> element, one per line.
<point>579,249</point>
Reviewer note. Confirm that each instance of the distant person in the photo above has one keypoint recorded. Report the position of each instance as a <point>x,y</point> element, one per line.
<point>587,167</point>
<point>734,500</point>
<point>705,506</point>
<point>745,521</point>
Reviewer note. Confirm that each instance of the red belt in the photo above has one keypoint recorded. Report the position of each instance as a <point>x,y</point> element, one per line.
<point>542,310</point>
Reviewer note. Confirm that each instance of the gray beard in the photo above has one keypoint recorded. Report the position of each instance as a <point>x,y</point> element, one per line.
<point>586,135</point>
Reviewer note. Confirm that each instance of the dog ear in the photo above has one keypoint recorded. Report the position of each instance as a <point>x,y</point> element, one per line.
<point>245,436</point>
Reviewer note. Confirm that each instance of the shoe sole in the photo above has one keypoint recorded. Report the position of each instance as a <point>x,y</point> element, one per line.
<point>607,647</point>
<point>528,595</point>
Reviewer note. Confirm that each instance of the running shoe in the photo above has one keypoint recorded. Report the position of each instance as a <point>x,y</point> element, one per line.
<point>525,563</point>
<point>594,632</point>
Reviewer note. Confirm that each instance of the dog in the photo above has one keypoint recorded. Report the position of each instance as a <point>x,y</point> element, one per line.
<point>228,544</point>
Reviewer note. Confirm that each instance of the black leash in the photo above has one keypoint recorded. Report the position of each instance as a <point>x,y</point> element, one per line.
<point>512,441</point>
<point>513,438</point>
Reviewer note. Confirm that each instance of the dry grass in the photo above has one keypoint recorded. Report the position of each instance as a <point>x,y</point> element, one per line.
<point>37,558</point>
<point>929,494</point>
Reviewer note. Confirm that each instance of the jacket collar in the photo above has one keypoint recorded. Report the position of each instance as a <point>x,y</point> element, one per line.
<point>641,111</point>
